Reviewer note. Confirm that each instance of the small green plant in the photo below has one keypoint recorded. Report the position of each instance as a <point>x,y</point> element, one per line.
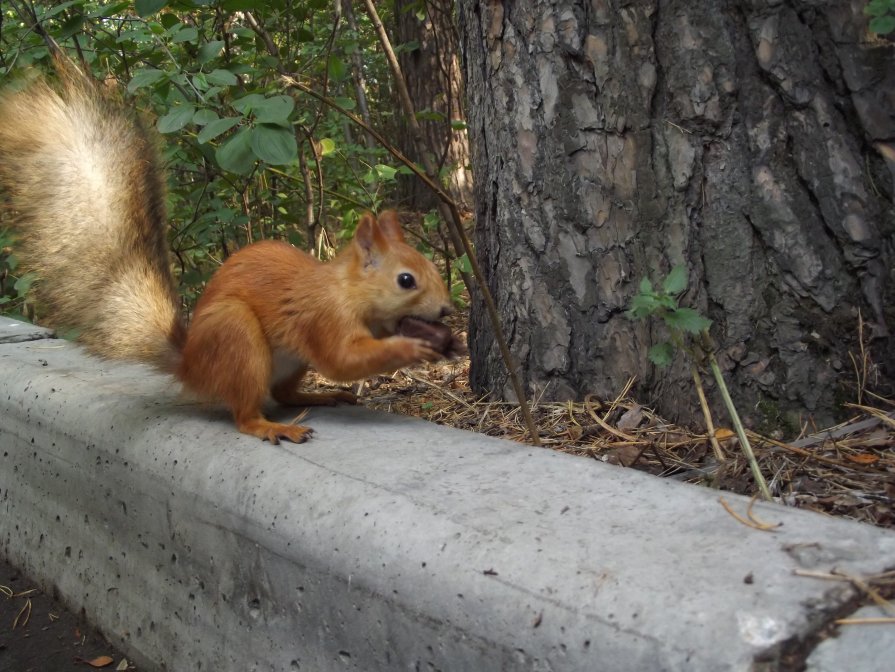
<point>883,13</point>
<point>689,331</point>
<point>663,304</point>
<point>14,285</point>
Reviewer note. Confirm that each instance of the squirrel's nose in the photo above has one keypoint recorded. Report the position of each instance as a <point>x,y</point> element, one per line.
<point>447,310</point>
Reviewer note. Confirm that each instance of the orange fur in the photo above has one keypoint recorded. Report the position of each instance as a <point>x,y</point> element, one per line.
<point>271,303</point>
<point>269,313</point>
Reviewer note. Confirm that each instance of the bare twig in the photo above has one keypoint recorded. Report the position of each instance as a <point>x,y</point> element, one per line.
<point>745,446</point>
<point>709,424</point>
<point>882,620</point>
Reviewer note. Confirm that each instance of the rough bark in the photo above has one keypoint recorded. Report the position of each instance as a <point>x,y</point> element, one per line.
<point>746,140</point>
<point>435,81</point>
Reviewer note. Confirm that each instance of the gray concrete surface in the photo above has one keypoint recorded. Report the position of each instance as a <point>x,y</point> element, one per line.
<point>847,651</point>
<point>387,543</point>
<point>13,331</point>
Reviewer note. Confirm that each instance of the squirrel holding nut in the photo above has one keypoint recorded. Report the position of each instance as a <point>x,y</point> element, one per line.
<point>83,178</point>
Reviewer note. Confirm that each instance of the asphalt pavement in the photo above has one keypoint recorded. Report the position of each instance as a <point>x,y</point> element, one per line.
<point>38,634</point>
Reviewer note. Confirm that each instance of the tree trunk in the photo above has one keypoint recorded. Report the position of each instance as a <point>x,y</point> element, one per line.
<point>435,81</point>
<point>612,141</point>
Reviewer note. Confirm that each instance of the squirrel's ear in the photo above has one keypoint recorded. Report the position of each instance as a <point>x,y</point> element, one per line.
<point>390,225</point>
<point>368,237</point>
<point>365,233</point>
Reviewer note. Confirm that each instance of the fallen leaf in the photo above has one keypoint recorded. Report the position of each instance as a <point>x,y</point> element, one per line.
<point>863,458</point>
<point>100,661</point>
<point>122,665</point>
<point>624,455</point>
<point>722,434</point>
<point>631,418</point>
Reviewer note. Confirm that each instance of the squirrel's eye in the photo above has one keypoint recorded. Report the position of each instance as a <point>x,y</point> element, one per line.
<point>406,281</point>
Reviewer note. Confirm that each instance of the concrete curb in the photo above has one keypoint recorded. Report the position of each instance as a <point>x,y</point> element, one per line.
<point>389,543</point>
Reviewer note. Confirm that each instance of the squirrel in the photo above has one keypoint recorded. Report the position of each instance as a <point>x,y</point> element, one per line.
<point>83,177</point>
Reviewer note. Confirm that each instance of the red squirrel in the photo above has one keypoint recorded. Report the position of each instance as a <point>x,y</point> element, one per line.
<point>83,178</point>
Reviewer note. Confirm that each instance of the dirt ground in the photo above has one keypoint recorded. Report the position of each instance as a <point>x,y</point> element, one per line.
<point>37,634</point>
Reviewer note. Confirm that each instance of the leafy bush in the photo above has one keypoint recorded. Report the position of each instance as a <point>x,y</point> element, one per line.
<point>247,157</point>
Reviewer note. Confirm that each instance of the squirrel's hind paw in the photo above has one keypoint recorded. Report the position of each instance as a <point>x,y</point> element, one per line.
<point>274,431</point>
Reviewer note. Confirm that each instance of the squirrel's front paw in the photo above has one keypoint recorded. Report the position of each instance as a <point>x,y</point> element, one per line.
<point>417,350</point>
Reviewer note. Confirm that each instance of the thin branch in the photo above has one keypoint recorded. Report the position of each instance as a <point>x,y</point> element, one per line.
<point>703,403</point>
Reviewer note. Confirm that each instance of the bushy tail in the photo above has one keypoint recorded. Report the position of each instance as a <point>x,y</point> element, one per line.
<point>82,177</point>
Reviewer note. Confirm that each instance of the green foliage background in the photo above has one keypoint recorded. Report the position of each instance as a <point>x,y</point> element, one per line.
<point>243,151</point>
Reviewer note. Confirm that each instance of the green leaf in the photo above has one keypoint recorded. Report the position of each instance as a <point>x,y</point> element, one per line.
<point>216,128</point>
<point>412,45</point>
<point>304,35</point>
<point>646,287</point>
<point>463,264</point>
<point>23,284</point>
<point>222,77</point>
<point>236,154</point>
<point>226,215</point>
<point>676,281</point>
<point>186,34</point>
<point>327,146</point>
<point>274,144</point>
<point>210,50</point>
<point>108,10</point>
<point>274,110</point>
<point>661,354</point>
<point>56,9</point>
<point>385,172</point>
<point>688,320</point>
<point>203,117</point>
<point>429,115</point>
<point>200,81</point>
<point>883,25</point>
<point>431,219</point>
<point>878,7</point>
<point>345,103</point>
<point>337,68</point>
<point>147,7</point>
<point>137,35</point>
<point>144,77</point>
<point>643,305</point>
<point>247,103</point>
<point>167,21</point>
<point>177,118</point>
<point>459,125</point>
<point>70,27</point>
